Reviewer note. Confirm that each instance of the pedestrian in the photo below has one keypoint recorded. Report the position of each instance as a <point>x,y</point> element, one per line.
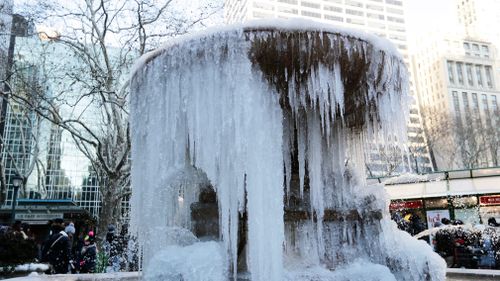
<point>111,250</point>
<point>88,254</point>
<point>57,249</point>
<point>70,230</point>
<point>18,229</point>
<point>493,222</point>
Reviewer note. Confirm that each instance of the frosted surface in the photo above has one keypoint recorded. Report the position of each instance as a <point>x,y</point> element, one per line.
<point>218,110</point>
<point>200,261</point>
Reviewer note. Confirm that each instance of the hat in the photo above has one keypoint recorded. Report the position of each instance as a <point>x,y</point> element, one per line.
<point>90,237</point>
<point>58,220</point>
<point>70,229</point>
<point>111,228</point>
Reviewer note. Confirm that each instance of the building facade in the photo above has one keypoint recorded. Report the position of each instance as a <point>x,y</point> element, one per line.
<point>41,152</point>
<point>457,85</point>
<point>385,18</point>
<point>5,27</point>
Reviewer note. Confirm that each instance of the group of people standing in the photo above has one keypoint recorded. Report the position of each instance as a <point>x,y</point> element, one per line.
<point>66,254</point>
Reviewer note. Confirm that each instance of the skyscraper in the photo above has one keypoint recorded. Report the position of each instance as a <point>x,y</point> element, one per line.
<point>385,18</point>
<point>457,84</point>
<point>36,148</point>
<point>5,26</point>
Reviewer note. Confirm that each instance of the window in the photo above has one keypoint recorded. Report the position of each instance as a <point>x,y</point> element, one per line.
<point>460,74</point>
<point>494,105</point>
<point>475,103</point>
<point>288,1</point>
<point>465,100</point>
<point>261,15</point>
<point>395,19</point>
<point>451,77</point>
<point>375,7</point>
<point>354,3</point>
<point>394,2</point>
<point>456,103</point>
<point>355,21</point>
<point>466,46</point>
<point>287,10</point>
<point>354,12</point>
<point>397,28</point>
<point>335,18</point>
<point>310,5</point>
<point>375,16</point>
<point>484,100</point>
<point>378,25</point>
<point>397,37</point>
<point>470,80</point>
<point>310,14</point>
<point>475,47</point>
<point>332,9</point>
<point>479,76</point>
<point>395,11</point>
<point>489,79</point>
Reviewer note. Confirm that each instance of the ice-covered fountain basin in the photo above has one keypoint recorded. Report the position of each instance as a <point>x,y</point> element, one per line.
<point>231,109</point>
<point>289,52</point>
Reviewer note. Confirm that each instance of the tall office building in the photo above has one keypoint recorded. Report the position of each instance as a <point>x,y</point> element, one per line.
<point>457,84</point>
<point>5,26</point>
<point>385,18</point>
<point>480,19</point>
<point>460,93</point>
<point>43,153</point>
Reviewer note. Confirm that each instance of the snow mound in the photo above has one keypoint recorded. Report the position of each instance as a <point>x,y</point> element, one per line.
<point>200,261</point>
<point>406,178</point>
<point>359,270</point>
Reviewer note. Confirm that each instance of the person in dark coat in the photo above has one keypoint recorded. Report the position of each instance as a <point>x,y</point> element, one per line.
<point>57,249</point>
<point>493,222</point>
<point>88,254</point>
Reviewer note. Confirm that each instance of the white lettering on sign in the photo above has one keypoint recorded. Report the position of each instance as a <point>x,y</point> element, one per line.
<point>35,216</point>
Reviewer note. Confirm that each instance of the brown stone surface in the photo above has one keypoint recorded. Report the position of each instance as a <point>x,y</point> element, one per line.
<point>333,215</point>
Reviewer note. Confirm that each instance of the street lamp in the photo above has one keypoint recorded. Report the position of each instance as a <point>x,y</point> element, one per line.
<point>17,181</point>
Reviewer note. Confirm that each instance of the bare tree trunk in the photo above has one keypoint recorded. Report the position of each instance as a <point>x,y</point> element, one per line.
<point>3,185</point>
<point>108,209</point>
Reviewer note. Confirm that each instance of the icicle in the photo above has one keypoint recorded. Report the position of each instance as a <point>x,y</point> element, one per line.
<point>301,150</point>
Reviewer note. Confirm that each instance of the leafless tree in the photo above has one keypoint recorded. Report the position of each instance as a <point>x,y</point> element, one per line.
<point>102,38</point>
<point>440,138</point>
<point>457,141</point>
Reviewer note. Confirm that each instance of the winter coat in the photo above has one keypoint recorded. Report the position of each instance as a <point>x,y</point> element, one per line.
<point>57,251</point>
<point>88,257</point>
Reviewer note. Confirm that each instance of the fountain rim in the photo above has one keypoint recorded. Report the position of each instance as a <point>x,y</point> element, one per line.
<point>266,25</point>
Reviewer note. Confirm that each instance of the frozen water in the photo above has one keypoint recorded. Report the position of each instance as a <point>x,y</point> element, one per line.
<point>359,270</point>
<point>200,261</point>
<point>274,116</point>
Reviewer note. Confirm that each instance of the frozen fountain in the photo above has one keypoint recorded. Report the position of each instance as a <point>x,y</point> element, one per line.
<point>248,147</point>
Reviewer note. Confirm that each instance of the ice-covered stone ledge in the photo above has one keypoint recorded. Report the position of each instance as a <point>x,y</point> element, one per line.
<point>119,276</point>
<point>453,274</point>
<point>462,274</point>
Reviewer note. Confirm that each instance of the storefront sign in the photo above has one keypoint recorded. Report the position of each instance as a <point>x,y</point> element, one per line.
<point>401,205</point>
<point>489,200</point>
<point>38,216</point>
<point>436,216</point>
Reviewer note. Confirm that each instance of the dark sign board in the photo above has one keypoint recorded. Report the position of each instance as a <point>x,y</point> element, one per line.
<point>490,200</point>
<point>399,205</point>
